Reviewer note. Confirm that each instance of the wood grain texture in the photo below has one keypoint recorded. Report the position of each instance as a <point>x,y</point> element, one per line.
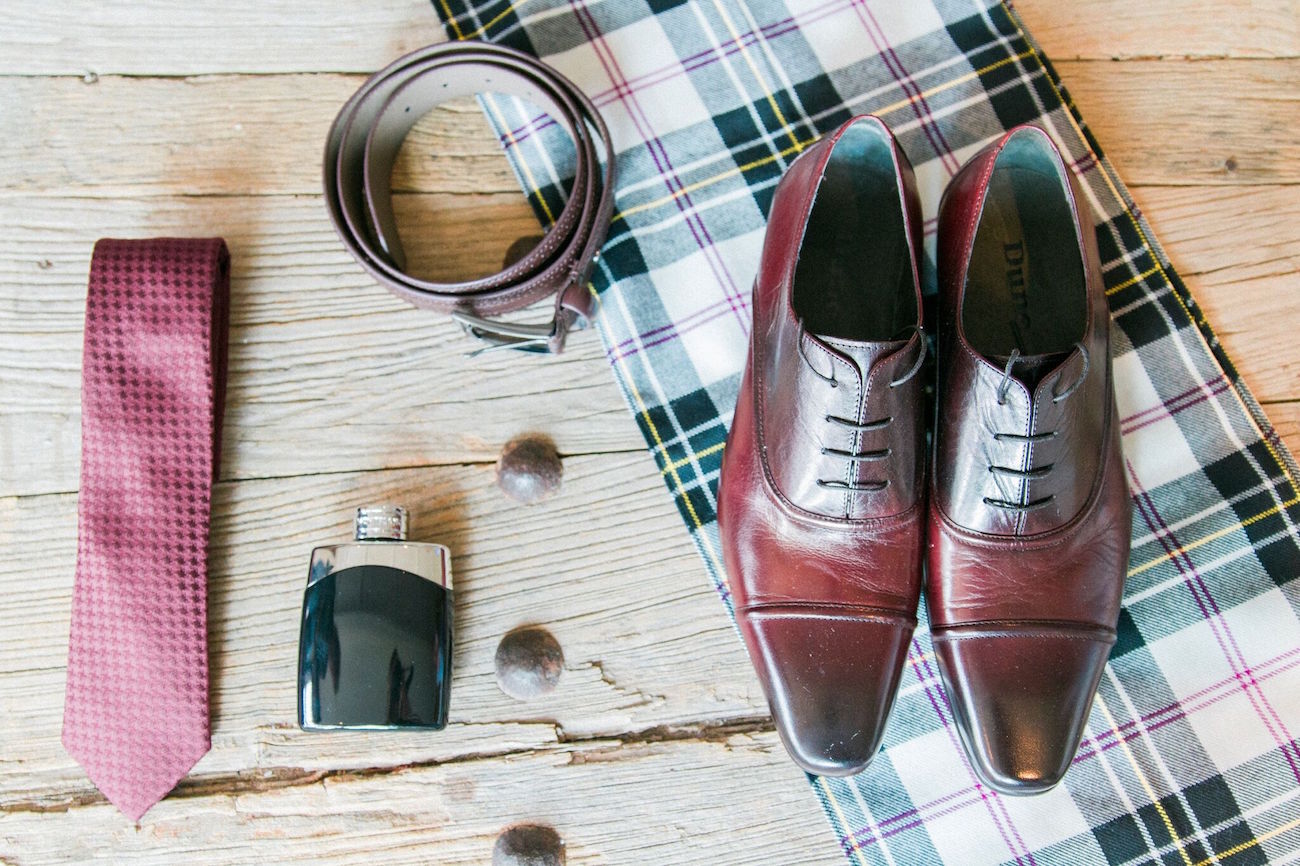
<point>1253,318</point>
<point>1123,30</point>
<point>262,135</point>
<point>1220,235</point>
<point>157,37</point>
<point>1285,417</point>
<point>1192,123</point>
<point>328,371</point>
<point>656,746</point>
<point>220,135</point>
<point>161,37</point>
<point>1238,250</point>
<point>725,801</point>
<point>605,566</point>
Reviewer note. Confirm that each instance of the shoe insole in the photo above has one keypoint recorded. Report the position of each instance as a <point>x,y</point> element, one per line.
<point>1025,284</point>
<point>853,280</point>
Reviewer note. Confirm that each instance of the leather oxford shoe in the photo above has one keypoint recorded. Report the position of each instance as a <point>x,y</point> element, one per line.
<point>1029,509</point>
<point>820,503</point>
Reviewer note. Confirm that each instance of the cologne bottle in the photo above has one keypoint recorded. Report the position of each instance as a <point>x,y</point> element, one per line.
<point>375,647</point>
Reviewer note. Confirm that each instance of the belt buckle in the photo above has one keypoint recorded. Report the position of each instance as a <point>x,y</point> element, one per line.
<point>546,338</point>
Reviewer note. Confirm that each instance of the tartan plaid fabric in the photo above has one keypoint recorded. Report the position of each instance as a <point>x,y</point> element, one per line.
<point>1191,753</point>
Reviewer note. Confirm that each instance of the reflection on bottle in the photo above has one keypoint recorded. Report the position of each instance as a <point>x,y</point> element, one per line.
<point>376,638</point>
<point>399,690</point>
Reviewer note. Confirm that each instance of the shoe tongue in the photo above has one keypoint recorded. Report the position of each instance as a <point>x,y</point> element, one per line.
<point>864,354</point>
<point>1031,369</point>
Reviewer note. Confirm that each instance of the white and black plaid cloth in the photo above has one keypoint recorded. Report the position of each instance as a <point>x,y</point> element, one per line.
<point>1191,753</point>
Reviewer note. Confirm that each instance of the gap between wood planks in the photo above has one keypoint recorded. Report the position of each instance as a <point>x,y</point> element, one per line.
<point>604,748</point>
<point>449,464</point>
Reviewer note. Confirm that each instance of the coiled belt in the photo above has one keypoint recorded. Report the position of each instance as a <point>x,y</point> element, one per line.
<point>363,144</point>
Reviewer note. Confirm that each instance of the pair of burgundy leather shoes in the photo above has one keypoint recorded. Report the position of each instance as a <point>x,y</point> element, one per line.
<point>824,508</point>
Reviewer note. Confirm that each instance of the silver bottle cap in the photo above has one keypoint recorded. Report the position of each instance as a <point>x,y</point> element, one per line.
<point>375,522</point>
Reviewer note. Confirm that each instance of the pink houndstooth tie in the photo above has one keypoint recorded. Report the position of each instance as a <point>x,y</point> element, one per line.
<point>153,385</point>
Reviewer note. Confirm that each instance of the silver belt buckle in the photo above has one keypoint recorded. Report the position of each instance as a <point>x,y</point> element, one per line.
<point>546,338</point>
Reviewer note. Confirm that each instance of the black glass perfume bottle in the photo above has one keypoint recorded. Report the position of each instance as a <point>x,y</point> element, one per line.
<point>375,647</point>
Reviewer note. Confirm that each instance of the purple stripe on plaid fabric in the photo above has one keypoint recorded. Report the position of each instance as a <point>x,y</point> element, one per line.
<point>1129,730</point>
<point>972,797</point>
<point>916,97</point>
<point>1157,719</point>
<point>1210,610</point>
<point>632,345</point>
<point>666,333</point>
<point>1227,642</point>
<point>918,659</point>
<point>1083,164</point>
<point>701,60</point>
<point>659,154</point>
<point>994,801</point>
<point>1167,409</point>
<point>671,331</point>
<point>696,61</point>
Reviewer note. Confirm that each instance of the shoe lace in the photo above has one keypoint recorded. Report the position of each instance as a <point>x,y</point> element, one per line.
<point>1032,472</point>
<point>860,426</point>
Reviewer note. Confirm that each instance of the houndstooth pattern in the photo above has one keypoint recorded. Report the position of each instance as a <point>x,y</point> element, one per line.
<point>136,709</point>
<point>1190,755</point>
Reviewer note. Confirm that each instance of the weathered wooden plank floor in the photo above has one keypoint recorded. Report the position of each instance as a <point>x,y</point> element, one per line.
<point>188,118</point>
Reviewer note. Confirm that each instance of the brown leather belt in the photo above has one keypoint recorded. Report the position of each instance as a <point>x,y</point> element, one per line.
<point>363,144</point>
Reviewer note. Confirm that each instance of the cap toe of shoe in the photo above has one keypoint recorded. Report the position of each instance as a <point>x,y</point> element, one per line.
<point>1021,699</point>
<point>830,680</point>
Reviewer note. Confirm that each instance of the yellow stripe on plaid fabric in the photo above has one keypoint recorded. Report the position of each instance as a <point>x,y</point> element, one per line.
<point>451,19</point>
<point>960,79</point>
<point>1131,281</point>
<point>854,850</point>
<point>710,181</point>
<point>481,31</point>
<point>1146,785</point>
<point>749,61</point>
<point>800,145</point>
<point>1216,534</point>
<point>522,163</point>
<point>504,12</point>
<point>678,487</point>
<point>704,452</point>
<point>1248,844</point>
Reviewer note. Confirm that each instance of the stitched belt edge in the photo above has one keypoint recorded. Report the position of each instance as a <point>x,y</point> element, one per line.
<point>363,143</point>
